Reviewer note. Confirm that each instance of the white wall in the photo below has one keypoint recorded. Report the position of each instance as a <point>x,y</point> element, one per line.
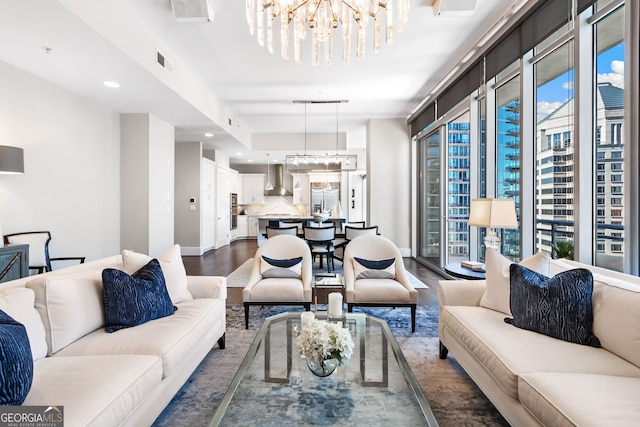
<point>389,180</point>
<point>71,184</point>
<point>188,159</point>
<point>147,189</point>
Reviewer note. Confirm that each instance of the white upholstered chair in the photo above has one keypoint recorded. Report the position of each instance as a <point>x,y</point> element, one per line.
<point>377,287</point>
<point>277,287</point>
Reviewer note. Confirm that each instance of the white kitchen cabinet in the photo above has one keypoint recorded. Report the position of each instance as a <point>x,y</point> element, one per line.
<point>234,183</point>
<point>252,189</point>
<point>252,226</point>
<point>243,227</point>
<point>301,195</point>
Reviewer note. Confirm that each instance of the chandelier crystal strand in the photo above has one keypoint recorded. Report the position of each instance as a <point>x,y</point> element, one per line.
<point>270,12</point>
<point>249,12</point>
<point>346,33</point>
<point>389,21</point>
<point>376,33</point>
<point>260,23</point>
<point>285,35</point>
<point>328,47</point>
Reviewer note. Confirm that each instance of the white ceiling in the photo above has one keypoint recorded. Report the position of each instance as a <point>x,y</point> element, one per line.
<point>95,40</point>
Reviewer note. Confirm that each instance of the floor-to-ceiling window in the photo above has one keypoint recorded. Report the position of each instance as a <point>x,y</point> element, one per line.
<point>458,188</point>
<point>508,152</point>
<point>429,225</point>
<point>554,180</point>
<point>609,140</point>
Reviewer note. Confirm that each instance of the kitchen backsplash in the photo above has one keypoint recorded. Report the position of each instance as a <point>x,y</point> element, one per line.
<point>276,205</point>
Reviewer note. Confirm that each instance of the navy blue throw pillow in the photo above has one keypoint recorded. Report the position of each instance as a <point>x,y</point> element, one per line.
<point>559,306</point>
<point>376,264</point>
<point>131,300</point>
<point>16,362</point>
<point>283,263</point>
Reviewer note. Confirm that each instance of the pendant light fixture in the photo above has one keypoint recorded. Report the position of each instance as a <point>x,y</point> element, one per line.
<point>269,186</point>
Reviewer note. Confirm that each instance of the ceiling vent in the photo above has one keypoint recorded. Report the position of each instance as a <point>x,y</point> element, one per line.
<point>162,61</point>
<point>453,7</point>
<point>192,10</point>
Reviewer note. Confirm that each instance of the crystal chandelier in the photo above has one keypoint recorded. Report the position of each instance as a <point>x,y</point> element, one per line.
<point>321,18</point>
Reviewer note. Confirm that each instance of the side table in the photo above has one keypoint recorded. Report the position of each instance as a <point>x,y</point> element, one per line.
<point>332,281</point>
<point>14,262</point>
<point>456,270</point>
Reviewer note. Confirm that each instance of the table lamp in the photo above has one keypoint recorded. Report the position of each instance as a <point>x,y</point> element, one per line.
<point>492,214</point>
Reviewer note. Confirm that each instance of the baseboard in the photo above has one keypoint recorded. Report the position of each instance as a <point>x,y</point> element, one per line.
<point>191,251</point>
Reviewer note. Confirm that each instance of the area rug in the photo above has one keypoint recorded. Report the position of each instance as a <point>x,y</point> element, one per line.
<point>454,398</point>
<point>238,277</point>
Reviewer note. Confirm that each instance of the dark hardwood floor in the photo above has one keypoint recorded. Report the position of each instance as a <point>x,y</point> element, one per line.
<point>221,262</point>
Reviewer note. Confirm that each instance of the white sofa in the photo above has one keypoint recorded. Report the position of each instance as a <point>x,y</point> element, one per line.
<point>125,378</point>
<point>533,379</point>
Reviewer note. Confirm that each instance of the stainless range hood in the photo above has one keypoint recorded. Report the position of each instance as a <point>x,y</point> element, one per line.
<point>277,172</point>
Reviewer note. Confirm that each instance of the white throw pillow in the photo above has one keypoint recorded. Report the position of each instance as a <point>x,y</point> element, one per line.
<point>173,270</point>
<point>498,291</point>
<point>70,306</point>
<point>19,304</point>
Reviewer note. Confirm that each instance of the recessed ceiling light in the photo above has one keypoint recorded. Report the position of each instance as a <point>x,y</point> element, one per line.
<point>250,160</point>
<point>238,154</point>
<point>208,134</point>
<point>111,84</point>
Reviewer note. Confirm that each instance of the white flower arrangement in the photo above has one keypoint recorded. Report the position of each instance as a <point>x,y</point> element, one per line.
<point>320,340</point>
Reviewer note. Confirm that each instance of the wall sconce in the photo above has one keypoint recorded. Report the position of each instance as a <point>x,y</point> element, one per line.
<point>11,159</point>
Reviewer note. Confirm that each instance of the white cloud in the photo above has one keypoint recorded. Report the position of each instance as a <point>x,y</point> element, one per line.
<point>616,78</point>
<point>567,85</point>
<point>545,108</point>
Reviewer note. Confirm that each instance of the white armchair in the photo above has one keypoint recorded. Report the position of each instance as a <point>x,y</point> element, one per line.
<point>270,284</point>
<point>379,284</point>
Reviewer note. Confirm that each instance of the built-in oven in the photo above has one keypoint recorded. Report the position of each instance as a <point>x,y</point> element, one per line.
<point>234,211</point>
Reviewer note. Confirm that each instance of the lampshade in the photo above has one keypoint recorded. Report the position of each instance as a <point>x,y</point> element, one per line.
<point>493,213</point>
<point>11,159</point>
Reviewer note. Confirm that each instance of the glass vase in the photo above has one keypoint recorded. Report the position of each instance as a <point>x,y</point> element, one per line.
<point>323,368</point>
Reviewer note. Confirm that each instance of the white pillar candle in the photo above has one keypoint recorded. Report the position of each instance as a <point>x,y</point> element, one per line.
<point>306,318</point>
<point>335,304</point>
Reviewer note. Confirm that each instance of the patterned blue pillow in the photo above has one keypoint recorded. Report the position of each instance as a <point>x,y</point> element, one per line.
<point>559,306</point>
<point>131,300</point>
<point>16,362</point>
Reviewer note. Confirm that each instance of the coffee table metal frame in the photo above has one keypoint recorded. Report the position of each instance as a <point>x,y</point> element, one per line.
<point>354,321</point>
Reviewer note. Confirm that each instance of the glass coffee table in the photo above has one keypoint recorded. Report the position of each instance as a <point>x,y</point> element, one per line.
<point>274,387</point>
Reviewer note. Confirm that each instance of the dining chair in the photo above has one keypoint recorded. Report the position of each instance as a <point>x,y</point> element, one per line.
<point>351,233</point>
<point>288,223</point>
<point>38,242</point>
<point>275,231</point>
<point>321,242</point>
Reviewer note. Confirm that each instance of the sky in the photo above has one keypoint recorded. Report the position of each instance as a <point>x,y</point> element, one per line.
<point>610,68</point>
